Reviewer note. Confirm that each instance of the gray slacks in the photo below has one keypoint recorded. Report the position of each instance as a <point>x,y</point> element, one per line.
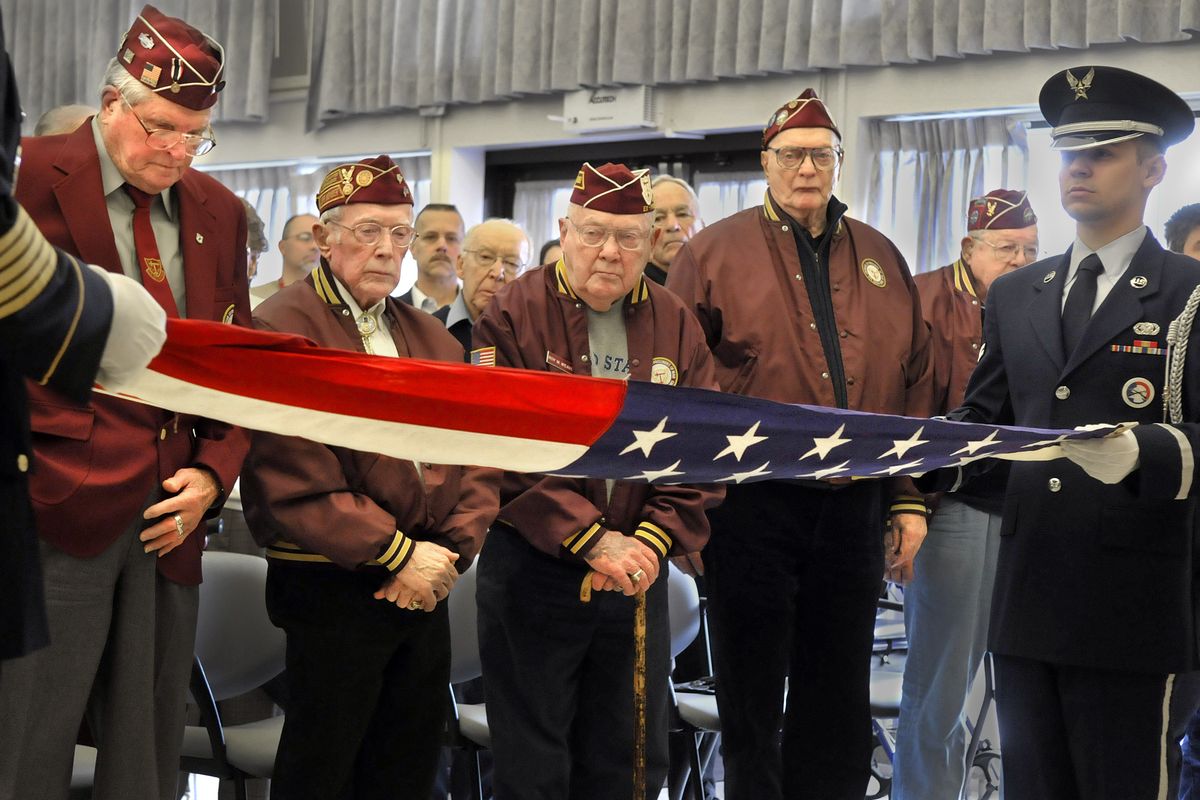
<point>121,643</point>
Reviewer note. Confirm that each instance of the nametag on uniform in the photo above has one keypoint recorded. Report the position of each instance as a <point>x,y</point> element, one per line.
<point>560,364</point>
<point>1147,347</point>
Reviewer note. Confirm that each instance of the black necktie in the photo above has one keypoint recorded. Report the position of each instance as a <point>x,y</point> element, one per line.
<point>1078,309</point>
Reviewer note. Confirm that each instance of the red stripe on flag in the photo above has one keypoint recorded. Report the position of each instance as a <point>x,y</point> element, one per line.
<point>290,370</point>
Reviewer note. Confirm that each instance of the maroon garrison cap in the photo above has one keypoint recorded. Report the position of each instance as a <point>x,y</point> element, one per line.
<point>614,188</point>
<point>173,59</point>
<point>1000,209</point>
<point>806,111</point>
<point>371,180</point>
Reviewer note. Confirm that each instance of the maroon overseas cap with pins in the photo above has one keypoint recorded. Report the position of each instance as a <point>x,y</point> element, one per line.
<point>806,111</point>
<point>372,180</point>
<point>173,59</point>
<point>613,188</point>
<point>1000,209</point>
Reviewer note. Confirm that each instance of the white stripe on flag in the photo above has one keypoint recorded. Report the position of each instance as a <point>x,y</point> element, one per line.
<point>399,440</point>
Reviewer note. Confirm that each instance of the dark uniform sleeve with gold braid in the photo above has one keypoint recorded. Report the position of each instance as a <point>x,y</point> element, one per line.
<point>54,318</point>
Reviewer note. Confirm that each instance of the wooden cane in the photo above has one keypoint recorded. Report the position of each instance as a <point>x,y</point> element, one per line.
<point>639,685</point>
<point>639,698</point>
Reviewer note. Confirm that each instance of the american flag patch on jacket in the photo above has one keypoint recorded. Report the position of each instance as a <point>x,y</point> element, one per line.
<point>484,357</point>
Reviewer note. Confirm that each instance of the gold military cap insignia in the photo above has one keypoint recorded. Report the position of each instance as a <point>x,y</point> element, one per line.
<point>991,208</point>
<point>1081,87</point>
<point>579,181</point>
<point>364,178</point>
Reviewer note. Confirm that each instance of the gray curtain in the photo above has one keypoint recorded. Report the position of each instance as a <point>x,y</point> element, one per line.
<point>923,174</point>
<point>59,48</point>
<point>375,55</point>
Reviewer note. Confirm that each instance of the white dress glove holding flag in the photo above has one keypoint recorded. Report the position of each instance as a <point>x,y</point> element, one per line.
<point>139,328</point>
<point>1108,460</point>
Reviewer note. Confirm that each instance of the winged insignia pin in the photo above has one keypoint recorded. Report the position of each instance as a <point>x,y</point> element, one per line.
<point>1081,87</point>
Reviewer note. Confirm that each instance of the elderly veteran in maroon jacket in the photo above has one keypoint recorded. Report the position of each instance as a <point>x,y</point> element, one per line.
<point>558,668</point>
<point>802,304</point>
<point>119,488</point>
<point>946,606</point>
<point>362,547</point>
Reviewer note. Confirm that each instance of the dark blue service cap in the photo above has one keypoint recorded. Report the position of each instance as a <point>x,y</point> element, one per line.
<point>1094,105</point>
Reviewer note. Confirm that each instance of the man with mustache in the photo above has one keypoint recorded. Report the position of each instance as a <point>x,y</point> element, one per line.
<point>436,249</point>
<point>677,215</point>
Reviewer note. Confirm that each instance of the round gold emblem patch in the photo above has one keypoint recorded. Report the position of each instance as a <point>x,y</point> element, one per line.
<point>364,178</point>
<point>663,370</point>
<point>874,272</point>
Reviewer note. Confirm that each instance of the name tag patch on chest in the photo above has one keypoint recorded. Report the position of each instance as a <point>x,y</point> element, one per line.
<point>1147,347</point>
<point>558,363</point>
<point>1137,392</point>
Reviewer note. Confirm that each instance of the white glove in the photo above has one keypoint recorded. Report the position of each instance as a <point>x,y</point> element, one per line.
<point>1108,460</point>
<point>139,328</point>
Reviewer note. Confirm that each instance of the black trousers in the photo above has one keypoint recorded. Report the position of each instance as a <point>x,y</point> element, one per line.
<point>794,574</point>
<point>368,687</point>
<point>558,676</point>
<point>1082,733</point>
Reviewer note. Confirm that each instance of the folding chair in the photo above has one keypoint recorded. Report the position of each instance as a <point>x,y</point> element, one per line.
<point>237,649</point>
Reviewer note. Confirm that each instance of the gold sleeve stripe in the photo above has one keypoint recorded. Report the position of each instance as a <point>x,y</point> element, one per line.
<point>909,505</point>
<point>62,348</point>
<point>401,557</point>
<point>654,536</point>
<point>578,541</point>
<point>27,263</point>
<point>396,547</point>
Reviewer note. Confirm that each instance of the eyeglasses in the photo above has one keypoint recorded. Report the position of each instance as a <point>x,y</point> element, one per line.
<point>789,158</point>
<point>369,233</point>
<point>306,236</point>
<point>486,259</point>
<point>598,235</point>
<point>1010,250</point>
<point>163,139</point>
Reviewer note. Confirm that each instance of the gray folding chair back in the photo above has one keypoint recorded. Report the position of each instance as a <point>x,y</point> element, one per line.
<point>464,629</point>
<point>684,603</point>
<point>235,640</point>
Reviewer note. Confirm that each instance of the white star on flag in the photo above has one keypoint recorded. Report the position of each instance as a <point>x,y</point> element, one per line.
<point>738,477</point>
<point>899,468</point>
<point>739,444</point>
<point>901,446</point>
<point>821,474</point>
<point>822,445</point>
<point>978,444</point>
<point>645,440</point>
<point>652,475</point>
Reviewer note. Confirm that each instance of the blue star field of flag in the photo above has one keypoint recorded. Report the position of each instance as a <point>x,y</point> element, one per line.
<point>668,434</point>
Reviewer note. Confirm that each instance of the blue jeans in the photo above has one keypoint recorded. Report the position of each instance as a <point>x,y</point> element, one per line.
<point>946,610</point>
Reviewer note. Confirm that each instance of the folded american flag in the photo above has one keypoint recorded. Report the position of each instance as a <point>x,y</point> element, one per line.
<point>545,422</point>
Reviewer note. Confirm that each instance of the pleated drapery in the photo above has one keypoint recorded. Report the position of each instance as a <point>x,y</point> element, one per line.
<point>375,55</point>
<point>60,48</point>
